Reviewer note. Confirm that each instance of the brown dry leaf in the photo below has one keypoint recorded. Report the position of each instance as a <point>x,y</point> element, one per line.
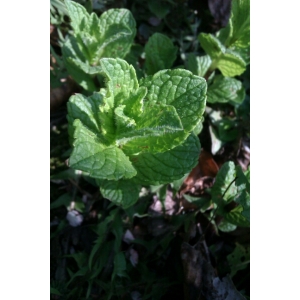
<point>134,257</point>
<point>201,279</point>
<point>202,176</point>
<point>215,288</point>
<point>192,261</point>
<point>54,36</point>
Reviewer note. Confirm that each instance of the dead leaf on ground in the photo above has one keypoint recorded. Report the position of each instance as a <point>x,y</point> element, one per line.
<point>200,178</point>
<point>201,279</point>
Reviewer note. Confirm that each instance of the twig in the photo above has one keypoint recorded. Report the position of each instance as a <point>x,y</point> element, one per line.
<point>204,242</point>
<point>80,189</point>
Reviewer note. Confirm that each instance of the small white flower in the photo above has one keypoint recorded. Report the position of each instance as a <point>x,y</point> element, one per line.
<point>128,237</point>
<point>134,257</point>
<point>74,218</point>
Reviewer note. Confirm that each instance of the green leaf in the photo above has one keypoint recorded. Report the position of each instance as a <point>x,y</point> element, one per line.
<point>91,155</point>
<point>155,131</point>
<point>155,169</point>
<point>198,128</point>
<point>225,226</point>
<point>224,178</point>
<point>178,183</point>
<point>118,31</point>
<point>77,65</point>
<point>231,64</point>
<point>77,14</point>
<point>101,232</point>
<point>121,79</point>
<point>177,88</point>
<point>243,192</point>
<point>111,35</point>
<point>244,200</point>
<point>235,217</point>
<point>119,266</point>
<point>240,215</point>
<point>63,200</point>
<point>137,132</point>
<point>211,45</point>
<point>247,174</point>
<point>122,192</point>
<point>225,33</point>
<point>81,272</point>
<point>238,259</point>
<point>236,35</point>
<point>166,121</point>
<point>244,53</point>
<point>96,247</point>
<point>80,258</point>
<point>160,53</point>
<point>198,65</point>
<point>242,181</point>
<point>118,231</point>
<point>225,89</point>
<point>105,252</point>
<point>159,8</point>
<point>74,58</point>
<point>240,20</point>
<point>162,193</point>
<point>227,129</point>
<point>155,125</point>
<point>60,6</point>
<point>54,291</point>
<point>84,109</point>
<point>216,143</point>
<point>202,202</point>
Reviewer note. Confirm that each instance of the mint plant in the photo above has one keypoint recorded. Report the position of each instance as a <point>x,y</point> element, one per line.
<point>225,66</point>
<point>136,189</point>
<point>136,133</point>
<point>111,35</point>
<point>232,185</point>
<point>228,51</point>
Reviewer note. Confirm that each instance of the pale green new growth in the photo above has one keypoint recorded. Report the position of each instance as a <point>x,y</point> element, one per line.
<point>237,32</point>
<point>228,62</point>
<point>229,49</point>
<point>211,45</point>
<point>111,35</point>
<point>91,155</point>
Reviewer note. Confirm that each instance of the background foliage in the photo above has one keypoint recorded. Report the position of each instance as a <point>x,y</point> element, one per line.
<point>153,248</point>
